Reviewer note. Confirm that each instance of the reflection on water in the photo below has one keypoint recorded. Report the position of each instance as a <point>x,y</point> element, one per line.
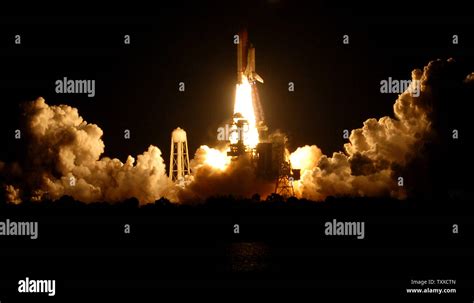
<point>248,256</point>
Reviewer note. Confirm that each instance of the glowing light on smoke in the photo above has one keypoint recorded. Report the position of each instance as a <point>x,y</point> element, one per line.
<point>244,106</point>
<point>215,158</point>
<point>305,158</point>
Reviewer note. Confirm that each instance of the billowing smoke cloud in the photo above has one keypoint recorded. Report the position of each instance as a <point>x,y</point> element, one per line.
<point>376,154</point>
<point>64,159</point>
<point>214,174</point>
<point>306,157</point>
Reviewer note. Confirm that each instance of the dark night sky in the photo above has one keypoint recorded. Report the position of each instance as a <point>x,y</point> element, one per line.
<point>336,85</point>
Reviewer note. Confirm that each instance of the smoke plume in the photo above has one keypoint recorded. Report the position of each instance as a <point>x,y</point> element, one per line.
<point>64,158</point>
<point>215,175</point>
<point>377,154</point>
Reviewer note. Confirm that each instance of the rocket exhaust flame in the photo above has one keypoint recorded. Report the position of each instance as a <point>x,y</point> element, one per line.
<point>244,106</point>
<point>215,158</point>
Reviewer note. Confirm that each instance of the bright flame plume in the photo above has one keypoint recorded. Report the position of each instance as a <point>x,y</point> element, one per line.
<point>244,106</point>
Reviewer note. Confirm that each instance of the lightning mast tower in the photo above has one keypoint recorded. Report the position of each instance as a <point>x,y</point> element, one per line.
<point>284,184</point>
<point>179,156</point>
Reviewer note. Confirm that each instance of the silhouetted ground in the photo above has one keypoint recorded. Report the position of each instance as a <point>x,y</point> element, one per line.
<point>454,205</point>
<point>280,246</point>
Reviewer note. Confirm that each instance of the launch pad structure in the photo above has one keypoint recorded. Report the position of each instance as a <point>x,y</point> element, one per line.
<point>269,157</point>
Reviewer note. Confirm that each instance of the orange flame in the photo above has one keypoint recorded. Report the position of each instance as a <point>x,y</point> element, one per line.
<point>244,105</point>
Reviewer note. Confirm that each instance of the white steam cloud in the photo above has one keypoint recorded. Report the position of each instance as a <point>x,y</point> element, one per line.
<point>64,159</point>
<point>375,153</point>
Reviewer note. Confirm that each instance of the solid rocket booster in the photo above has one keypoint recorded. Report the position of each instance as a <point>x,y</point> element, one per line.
<point>246,60</point>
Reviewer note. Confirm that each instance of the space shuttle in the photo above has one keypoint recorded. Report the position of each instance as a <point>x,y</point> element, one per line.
<point>246,60</point>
